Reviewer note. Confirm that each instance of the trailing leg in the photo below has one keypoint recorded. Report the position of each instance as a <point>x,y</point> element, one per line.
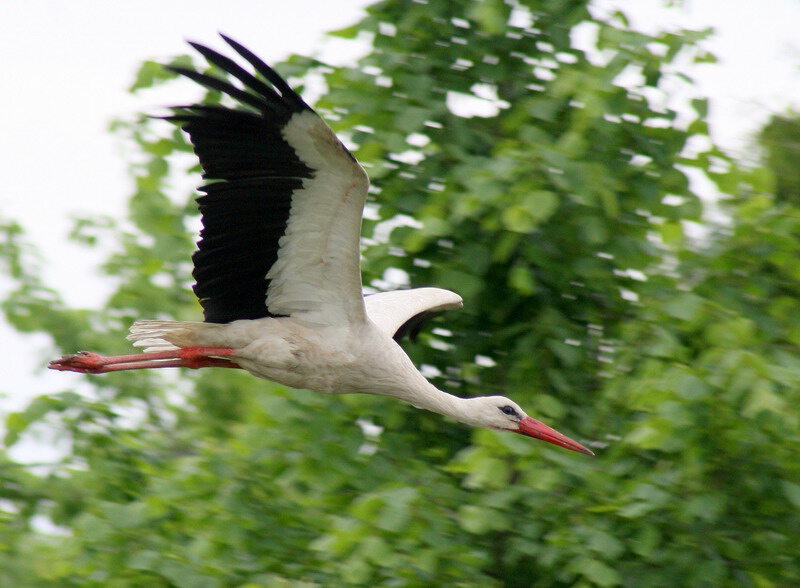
<point>189,357</point>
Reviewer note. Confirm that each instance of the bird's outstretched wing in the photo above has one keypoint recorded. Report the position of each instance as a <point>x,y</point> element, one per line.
<point>404,312</point>
<point>282,207</point>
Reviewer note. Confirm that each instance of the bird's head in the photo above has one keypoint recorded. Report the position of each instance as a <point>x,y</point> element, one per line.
<point>501,414</point>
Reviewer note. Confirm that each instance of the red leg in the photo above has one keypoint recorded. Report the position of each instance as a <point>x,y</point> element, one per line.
<point>190,357</point>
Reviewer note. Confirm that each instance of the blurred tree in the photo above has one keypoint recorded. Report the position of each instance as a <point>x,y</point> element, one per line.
<point>528,155</point>
<point>780,139</point>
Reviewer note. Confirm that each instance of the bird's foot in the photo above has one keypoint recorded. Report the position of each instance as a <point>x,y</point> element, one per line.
<point>84,362</point>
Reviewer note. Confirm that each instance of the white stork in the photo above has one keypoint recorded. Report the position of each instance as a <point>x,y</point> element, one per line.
<point>278,263</point>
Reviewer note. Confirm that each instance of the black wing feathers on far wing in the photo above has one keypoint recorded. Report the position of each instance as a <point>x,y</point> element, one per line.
<point>414,325</point>
<point>252,173</point>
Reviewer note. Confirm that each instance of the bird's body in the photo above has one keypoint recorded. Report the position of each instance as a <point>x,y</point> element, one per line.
<point>322,358</point>
<point>278,264</point>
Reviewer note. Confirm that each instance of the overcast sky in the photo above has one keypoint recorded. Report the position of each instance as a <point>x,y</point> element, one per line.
<point>67,66</point>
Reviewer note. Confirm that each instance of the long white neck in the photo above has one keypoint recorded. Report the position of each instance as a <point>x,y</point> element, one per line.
<point>420,393</point>
<point>399,378</point>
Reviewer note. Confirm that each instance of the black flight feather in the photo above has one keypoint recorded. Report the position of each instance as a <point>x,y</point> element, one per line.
<point>252,173</point>
<point>414,325</point>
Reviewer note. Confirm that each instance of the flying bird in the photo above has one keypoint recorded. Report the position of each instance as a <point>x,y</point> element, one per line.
<point>277,267</point>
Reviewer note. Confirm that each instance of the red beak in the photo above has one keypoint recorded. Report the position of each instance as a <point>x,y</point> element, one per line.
<point>533,428</point>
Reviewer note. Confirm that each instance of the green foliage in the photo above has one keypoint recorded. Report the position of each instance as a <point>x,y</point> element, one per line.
<point>585,300</point>
<point>780,138</point>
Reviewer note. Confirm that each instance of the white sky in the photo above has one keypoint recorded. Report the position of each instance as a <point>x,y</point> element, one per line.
<point>66,67</point>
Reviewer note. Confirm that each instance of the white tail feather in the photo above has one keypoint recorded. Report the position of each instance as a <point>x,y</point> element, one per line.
<point>159,335</point>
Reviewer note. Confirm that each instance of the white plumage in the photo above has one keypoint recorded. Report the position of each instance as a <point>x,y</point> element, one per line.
<point>389,311</point>
<point>278,263</point>
<point>317,272</point>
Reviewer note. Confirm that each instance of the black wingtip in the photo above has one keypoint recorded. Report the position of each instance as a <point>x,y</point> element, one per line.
<point>204,50</point>
<point>198,46</point>
<point>229,40</point>
<point>270,74</point>
<point>236,46</point>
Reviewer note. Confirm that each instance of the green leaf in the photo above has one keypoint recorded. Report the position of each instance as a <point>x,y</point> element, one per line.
<point>597,572</point>
<point>521,279</point>
<point>792,492</point>
<point>479,520</point>
<point>652,434</point>
<point>151,73</point>
<point>763,398</point>
<point>671,233</point>
<point>350,32</point>
<point>491,15</point>
<point>685,306</point>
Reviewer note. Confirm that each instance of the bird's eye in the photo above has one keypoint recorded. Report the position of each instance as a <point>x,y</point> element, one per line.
<point>509,410</point>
